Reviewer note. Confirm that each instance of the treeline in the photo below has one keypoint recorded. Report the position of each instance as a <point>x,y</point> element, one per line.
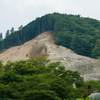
<point>71,31</point>
<point>38,79</point>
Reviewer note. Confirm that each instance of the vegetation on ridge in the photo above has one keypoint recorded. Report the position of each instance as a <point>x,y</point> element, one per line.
<point>71,31</point>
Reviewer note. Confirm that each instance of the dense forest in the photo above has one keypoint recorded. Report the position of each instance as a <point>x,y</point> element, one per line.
<point>39,79</point>
<point>80,34</point>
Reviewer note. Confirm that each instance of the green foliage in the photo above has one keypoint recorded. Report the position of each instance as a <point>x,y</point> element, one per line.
<point>12,30</point>
<point>38,79</point>
<point>76,44</point>
<point>95,85</point>
<point>1,67</point>
<point>96,50</point>
<point>88,98</point>
<point>79,82</point>
<point>39,61</point>
<point>10,76</point>
<point>7,33</point>
<point>40,95</point>
<point>79,99</point>
<point>21,27</point>
<point>1,37</point>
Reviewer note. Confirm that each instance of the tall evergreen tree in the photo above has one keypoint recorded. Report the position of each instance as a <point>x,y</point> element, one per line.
<point>20,27</point>
<point>1,37</point>
<point>12,30</point>
<point>7,33</point>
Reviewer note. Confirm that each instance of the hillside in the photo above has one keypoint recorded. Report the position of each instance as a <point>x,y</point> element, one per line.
<point>72,31</point>
<point>41,44</point>
<point>45,43</point>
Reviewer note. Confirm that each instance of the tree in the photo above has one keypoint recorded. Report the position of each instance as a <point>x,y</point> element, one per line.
<point>96,51</point>
<point>40,95</point>
<point>76,44</point>
<point>1,38</point>
<point>78,15</point>
<point>7,33</point>
<point>20,28</point>
<point>12,30</point>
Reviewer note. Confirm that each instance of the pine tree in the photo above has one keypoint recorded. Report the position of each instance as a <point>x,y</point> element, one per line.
<point>12,30</point>
<point>20,28</point>
<point>7,33</point>
<point>1,38</point>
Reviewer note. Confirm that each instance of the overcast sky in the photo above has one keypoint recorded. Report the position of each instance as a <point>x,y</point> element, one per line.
<point>14,13</point>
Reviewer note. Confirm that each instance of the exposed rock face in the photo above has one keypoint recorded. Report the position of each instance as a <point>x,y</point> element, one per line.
<point>44,43</point>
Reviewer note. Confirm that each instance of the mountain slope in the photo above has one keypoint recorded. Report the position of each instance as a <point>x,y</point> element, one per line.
<point>72,31</point>
<point>44,43</point>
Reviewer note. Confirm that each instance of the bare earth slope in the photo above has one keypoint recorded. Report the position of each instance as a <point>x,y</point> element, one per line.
<point>44,43</point>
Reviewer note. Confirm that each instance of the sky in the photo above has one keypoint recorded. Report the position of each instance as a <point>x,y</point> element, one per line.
<point>14,13</point>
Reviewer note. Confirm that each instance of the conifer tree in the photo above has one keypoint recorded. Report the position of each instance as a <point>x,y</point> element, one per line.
<point>7,33</point>
<point>12,30</point>
<point>1,38</point>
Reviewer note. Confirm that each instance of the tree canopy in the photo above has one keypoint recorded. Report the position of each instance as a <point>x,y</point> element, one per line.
<point>40,79</point>
<point>37,79</point>
<point>96,50</point>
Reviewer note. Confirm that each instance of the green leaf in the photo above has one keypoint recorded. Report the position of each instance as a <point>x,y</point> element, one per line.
<point>88,98</point>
